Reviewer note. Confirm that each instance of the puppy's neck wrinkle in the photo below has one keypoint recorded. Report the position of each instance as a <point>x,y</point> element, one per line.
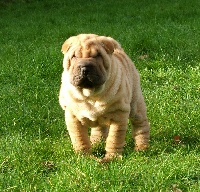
<point>113,84</point>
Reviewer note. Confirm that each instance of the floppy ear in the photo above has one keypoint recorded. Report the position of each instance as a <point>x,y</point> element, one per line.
<point>107,44</point>
<point>66,45</point>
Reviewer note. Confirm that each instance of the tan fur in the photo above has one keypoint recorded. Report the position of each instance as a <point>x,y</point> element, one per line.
<point>107,107</point>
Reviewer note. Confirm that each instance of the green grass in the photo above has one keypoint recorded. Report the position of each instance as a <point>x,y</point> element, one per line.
<point>35,150</point>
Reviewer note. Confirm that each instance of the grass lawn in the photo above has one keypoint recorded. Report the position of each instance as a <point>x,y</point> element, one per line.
<point>162,37</point>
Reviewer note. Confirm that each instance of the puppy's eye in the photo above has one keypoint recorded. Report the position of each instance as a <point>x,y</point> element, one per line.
<point>73,57</point>
<point>98,55</point>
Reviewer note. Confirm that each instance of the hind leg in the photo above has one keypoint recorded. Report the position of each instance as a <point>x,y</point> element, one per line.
<point>141,127</point>
<point>98,134</point>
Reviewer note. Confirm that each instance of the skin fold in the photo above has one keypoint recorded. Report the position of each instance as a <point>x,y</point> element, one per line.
<point>101,90</point>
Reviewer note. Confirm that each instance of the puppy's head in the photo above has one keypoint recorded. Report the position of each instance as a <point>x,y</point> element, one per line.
<point>87,59</point>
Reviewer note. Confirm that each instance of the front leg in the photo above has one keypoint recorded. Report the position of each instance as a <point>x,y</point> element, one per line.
<point>78,134</point>
<point>116,138</point>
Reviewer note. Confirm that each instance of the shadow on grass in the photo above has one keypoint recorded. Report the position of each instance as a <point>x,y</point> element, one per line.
<point>98,150</point>
<point>161,144</point>
<point>158,145</point>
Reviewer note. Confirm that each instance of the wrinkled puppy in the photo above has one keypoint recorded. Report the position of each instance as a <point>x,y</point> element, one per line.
<point>100,89</point>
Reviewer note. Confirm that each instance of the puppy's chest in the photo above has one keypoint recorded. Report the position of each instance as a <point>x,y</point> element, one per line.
<point>92,110</point>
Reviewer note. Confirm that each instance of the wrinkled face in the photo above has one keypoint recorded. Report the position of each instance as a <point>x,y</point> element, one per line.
<point>87,60</point>
<point>87,72</point>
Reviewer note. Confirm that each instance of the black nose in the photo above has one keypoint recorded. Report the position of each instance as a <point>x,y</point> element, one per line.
<point>86,69</point>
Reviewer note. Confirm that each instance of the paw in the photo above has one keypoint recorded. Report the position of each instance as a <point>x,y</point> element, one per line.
<point>141,147</point>
<point>110,157</point>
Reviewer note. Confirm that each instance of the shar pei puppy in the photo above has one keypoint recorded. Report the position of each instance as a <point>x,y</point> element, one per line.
<point>101,89</point>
